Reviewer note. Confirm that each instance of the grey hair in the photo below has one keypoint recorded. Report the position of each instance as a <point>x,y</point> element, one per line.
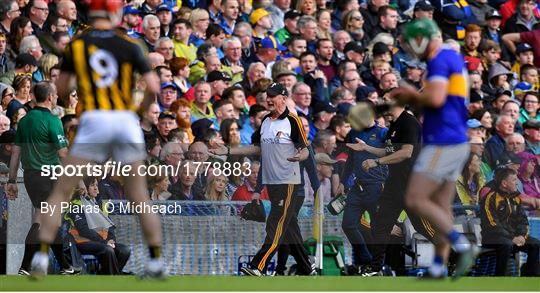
<point>515,134</point>
<point>340,32</point>
<point>230,40</point>
<point>245,25</point>
<point>252,65</point>
<point>147,19</point>
<point>168,149</point>
<point>297,85</point>
<point>161,40</point>
<point>305,20</point>
<point>500,118</point>
<point>28,43</point>
<point>322,136</point>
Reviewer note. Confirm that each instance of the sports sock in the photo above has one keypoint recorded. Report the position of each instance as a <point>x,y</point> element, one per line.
<point>155,251</point>
<point>44,247</point>
<point>437,268</point>
<point>459,242</point>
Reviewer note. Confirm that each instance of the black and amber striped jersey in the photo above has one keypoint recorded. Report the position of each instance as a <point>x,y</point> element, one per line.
<point>104,62</point>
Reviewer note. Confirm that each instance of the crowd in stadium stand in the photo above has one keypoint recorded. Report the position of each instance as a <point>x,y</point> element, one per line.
<point>216,58</point>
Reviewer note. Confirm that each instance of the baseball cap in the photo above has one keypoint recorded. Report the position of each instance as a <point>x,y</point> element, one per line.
<point>166,114</point>
<point>473,123</point>
<point>475,97</point>
<point>169,84</point>
<point>218,75</point>
<point>523,47</point>
<point>353,46</point>
<point>25,59</point>
<point>323,158</point>
<point>493,14</point>
<point>292,14</point>
<point>501,92</point>
<point>415,64</point>
<point>380,48</point>
<point>423,6</point>
<point>531,123</point>
<point>276,89</point>
<point>285,72</point>
<point>163,7</point>
<point>324,107</point>
<point>271,42</point>
<point>257,14</point>
<point>130,9</point>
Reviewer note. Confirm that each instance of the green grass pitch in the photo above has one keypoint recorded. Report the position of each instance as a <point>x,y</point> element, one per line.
<point>215,283</point>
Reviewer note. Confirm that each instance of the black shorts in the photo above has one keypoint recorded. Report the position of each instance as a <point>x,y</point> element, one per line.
<point>38,187</point>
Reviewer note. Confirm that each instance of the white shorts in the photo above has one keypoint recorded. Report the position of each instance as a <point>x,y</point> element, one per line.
<point>442,162</point>
<point>109,134</point>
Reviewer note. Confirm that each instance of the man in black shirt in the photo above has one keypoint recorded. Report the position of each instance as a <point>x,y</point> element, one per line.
<point>401,148</point>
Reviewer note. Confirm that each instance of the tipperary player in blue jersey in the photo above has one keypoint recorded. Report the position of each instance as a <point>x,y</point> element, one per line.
<point>431,187</point>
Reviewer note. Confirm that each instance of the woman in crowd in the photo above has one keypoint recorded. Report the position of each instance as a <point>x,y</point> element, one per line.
<point>47,64</point>
<point>158,187</point>
<point>20,28</point>
<point>22,85</point>
<point>353,23</point>
<point>216,190</point>
<point>324,28</point>
<point>529,108</point>
<point>8,94</point>
<point>470,181</point>
<point>230,132</point>
<point>484,116</point>
<point>200,20</point>
<point>93,230</point>
<point>180,71</point>
<point>527,173</point>
<point>307,7</point>
<point>19,113</point>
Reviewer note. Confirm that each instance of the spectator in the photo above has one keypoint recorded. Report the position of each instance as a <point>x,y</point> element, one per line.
<point>58,24</point>
<point>353,23</point>
<point>307,7</point>
<point>230,132</point>
<point>68,10</point>
<point>200,20</point>
<point>49,67</point>
<point>531,131</point>
<point>529,108</point>
<point>218,81</point>
<point>325,169</point>
<point>215,190</point>
<point>245,191</point>
<point>388,19</point>
<point>180,72</point>
<point>323,24</point>
<point>321,119</point>
<point>341,38</point>
<point>38,15</point>
<point>165,47</point>
<point>515,143</point>
<point>505,226</point>
<point>153,148</point>
<point>307,27</point>
<point>94,232</point>
<point>166,123</point>
<point>261,22</point>
<point>236,95</point>
<point>215,36</point>
<point>11,13</point>
<point>504,127</point>
<point>524,19</point>
<point>290,27</point>
<point>244,32</point>
<point>151,28</point>
<point>511,108</point>
<point>20,27</point>
<point>473,39</point>
<point>201,107</point>
<point>485,118</point>
<point>130,21</point>
<point>230,10</point>
<point>182,47</point>
<point>22,85</point>
<point>255,72</point>
<point>224,110</point>
<point>301,94</point>
<point>501,97</point>
<point>5,123</point>
<point>167,95</point>
<point>475,129</point>
<point>164,14</point>
<point>529,74</point>
<point>256,114</point>
<point>314,77</point>
<point>233,55</point>
<point>31,45</point>
<point>158,186</point>
<point>150,120</point>
<point>181,108</point>
<point>325,142</point>
<point>470,181</point>
<point>528,175</point>
<point>183,188</point>
<point>156,60</point>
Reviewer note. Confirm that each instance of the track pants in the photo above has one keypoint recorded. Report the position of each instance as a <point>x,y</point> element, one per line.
<point>391,204</point>
<point>284,250</point>
<point>504,249</point>
<point>111,260</point>
<point>282,227</point>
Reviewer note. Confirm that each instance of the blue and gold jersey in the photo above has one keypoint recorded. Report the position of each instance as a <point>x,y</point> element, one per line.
<point>447,124</point>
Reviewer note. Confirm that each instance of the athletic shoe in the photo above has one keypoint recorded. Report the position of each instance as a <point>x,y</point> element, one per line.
<point>367,271</point>
<point>70,271</point>
<point>39,264</point>
<point>155,269</point>
<point>23,272</point>
<point>251,272</point>
<point>465,260</point>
